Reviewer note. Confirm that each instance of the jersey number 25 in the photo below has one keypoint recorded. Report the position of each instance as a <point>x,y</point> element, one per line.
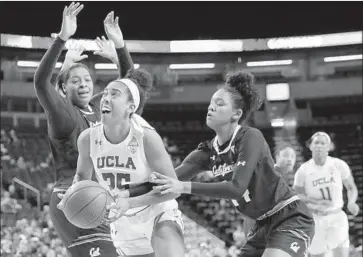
<point>116,181</point>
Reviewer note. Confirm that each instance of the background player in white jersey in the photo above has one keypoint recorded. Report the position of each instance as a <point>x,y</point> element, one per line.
<point>319,182</point>
<point>124,150</point>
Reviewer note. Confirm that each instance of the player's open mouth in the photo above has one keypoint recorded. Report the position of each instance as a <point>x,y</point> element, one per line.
<point>105,110</point>
<point>83,93</point>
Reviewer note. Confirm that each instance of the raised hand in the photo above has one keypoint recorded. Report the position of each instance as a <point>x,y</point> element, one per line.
<point>113,30</point>
<point>74,53</point>
<point>107,50</point>
<point>69,22</point>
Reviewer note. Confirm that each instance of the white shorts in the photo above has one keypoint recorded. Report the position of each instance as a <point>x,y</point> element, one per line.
<point>331,231</point>
<point>132,236</point>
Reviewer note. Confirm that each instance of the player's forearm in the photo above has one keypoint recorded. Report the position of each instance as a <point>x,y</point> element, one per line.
<point>186,172</point>
<point>140,190</point>
<point>44,71</point>
<point>226,189</point>
<point>124,60</point>
<point>352,195</point>
<point>153,197</point>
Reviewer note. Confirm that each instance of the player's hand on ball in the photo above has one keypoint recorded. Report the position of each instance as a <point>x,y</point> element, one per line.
<point>60,205</point>
<point>166,184</point>
<point>353,208</point>
<point>121,206</point>
<point>113,30</point>
<point>74,53</point>
<point>69,22</point>
<point>107,220</point>
<point>107,49</point>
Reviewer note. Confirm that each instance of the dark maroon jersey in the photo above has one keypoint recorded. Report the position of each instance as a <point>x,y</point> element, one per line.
<point>64,150</point>
<point>65,120</point>
<point>245,168</point>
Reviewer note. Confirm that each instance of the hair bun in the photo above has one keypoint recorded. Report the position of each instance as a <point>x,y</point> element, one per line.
<point>243,83</point>
<point>141,77</point>
<point>240,79</point>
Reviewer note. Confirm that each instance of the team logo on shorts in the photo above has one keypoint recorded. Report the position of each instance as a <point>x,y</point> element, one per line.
<point>94,252</point>
<point>295,247</point>
<point>133,145</point>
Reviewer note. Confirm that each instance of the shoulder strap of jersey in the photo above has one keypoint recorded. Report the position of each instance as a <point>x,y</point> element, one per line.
<point>140,123</point>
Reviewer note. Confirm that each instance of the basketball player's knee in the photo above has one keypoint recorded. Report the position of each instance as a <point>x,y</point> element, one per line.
<point>168,229</point>
<point>167,239</point>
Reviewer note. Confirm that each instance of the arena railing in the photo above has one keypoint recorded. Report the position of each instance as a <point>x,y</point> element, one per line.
<point>29,187</point>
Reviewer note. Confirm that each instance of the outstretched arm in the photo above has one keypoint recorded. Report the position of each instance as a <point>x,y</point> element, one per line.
<point>249,153</point>
<point>48,96</point>
<point>46,93</point>
<point>250,149</point>
<point>195,163</point>
<point>117,53</point>
<point>114,34</point>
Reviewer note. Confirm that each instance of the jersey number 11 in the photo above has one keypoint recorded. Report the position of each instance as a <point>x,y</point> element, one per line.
<point>325,193</point>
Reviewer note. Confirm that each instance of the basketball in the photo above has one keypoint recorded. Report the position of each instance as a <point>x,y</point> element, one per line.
<point>85,204</point>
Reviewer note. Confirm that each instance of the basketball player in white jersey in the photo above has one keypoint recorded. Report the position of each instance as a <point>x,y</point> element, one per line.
<point>319,182</point>
<point>124,150</point>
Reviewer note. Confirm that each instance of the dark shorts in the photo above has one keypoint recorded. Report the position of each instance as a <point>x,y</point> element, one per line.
<point>291,230</point>
<point>81,242</point>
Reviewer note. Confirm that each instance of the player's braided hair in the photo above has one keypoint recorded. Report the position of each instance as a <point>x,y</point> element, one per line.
<point>245,96</point>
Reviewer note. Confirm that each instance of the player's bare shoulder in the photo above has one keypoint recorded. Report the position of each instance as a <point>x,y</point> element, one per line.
<point>338,161</point>
<point>342,167</point>
<point>151,136</point>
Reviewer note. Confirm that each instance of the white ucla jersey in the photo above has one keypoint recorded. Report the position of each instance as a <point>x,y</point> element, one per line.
<point>117,165</point>
<point>324,182</point>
